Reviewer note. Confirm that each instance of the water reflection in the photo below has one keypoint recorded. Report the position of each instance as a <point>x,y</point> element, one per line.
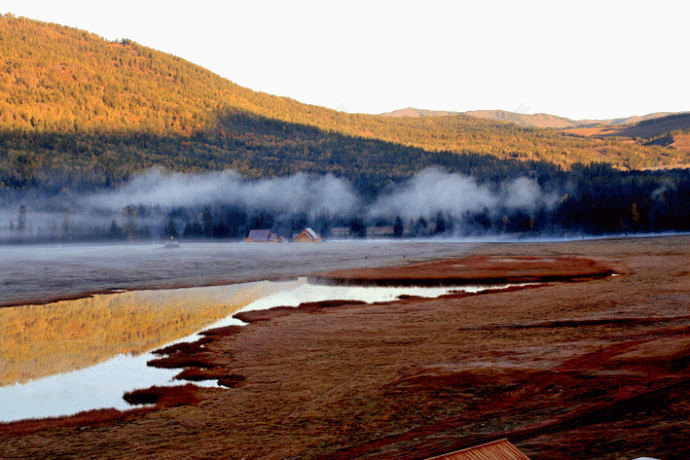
<point>70,373</point>
<point>116,330</point>
<point>42,340</point>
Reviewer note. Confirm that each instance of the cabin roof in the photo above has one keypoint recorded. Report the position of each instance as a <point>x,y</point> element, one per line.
<point>261,235</point>
<point>307,234</point>
<point>311,233</point>
<point>501,449</point>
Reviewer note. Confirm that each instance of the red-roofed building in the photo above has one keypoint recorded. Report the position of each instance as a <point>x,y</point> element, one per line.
<point>307,236</point>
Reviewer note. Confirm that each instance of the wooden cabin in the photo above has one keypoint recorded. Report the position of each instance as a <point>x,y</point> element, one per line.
<point>340,232</point>
<point>306,236</point>
<point>381,232</point>
<point>263,236</point>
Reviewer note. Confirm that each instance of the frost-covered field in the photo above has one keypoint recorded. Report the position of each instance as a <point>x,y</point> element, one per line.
<point>38,273</point>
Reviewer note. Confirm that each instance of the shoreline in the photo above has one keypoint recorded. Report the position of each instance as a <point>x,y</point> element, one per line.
<point>46,274</point>
<point>176,280</point>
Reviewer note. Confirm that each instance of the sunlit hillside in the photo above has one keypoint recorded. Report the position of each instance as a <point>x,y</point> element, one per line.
<point>665,129</point>
<point>62,81</point>
<point>539,120</point>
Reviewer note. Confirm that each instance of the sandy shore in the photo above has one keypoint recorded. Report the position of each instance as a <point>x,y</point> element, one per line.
<point>586,366</point>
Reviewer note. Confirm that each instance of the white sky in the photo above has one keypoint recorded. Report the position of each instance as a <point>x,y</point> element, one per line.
<point>580,59</point>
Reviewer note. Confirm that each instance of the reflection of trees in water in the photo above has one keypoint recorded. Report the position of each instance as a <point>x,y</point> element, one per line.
<point>42,340</point>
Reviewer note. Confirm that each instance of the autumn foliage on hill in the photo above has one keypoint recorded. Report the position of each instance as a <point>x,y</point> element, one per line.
<point>60,80</point>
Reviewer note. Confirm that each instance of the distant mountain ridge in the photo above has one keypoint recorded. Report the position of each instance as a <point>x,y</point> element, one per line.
<point>661,128</point>
<point>527,120</point>
<point>535,120</point>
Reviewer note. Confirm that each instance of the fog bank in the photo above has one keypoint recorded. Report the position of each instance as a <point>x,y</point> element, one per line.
<point>300,193</point>
<point>159,204</point>
<point>433,190</point>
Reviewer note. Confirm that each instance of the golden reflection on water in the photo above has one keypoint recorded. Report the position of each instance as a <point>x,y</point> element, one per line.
<point>41,340</point>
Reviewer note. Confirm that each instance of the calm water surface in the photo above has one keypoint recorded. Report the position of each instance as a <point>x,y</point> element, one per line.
<point>103,384</point>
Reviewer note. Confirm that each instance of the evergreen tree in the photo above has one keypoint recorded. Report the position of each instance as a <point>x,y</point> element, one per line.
<point>21,219</point>
<point>170,230</point>
<point>398,227</point>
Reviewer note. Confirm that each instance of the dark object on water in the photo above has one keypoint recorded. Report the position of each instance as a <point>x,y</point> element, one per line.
<point>172,244</point>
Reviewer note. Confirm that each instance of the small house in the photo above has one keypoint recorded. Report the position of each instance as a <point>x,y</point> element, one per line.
<point>340,232</point>
<point>380,232</point>
<point>263,236</point>
<point>306,236</point>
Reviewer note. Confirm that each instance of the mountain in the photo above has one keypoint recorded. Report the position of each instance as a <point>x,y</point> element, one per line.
<point>540,120</point>
<point>545,120</point>
<point>77,111</point>
<point>669,130</point>
<point>661,128</point>
<point>409,112</point>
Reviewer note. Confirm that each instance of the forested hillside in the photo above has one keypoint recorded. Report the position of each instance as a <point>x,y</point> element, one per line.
<point>61,81</point>
<point>665,129</point>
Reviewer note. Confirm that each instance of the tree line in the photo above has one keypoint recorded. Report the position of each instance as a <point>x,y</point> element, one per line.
<point>589,200</point>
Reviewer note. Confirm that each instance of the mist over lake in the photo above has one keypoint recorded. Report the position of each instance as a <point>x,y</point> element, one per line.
<point>432,202</point>
<point>39,272</point>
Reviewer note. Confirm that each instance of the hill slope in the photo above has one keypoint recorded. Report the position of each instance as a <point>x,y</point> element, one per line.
<point>540,120</point>
<point>665,129</point>
<point>534,120</point>
<point>73,101</point>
